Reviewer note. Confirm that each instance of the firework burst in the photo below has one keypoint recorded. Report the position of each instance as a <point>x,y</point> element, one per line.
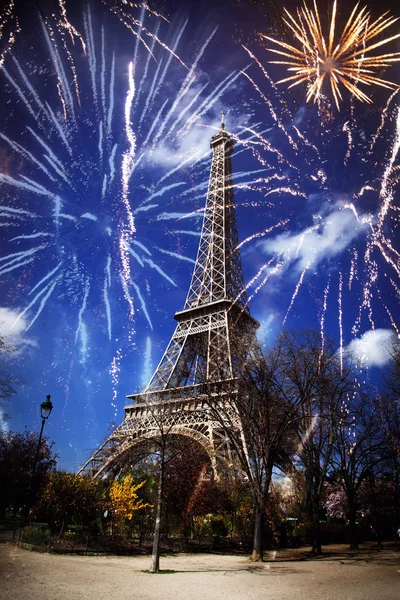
<point>331,198</point>
<point>94,152</point>
<point>344,61</point>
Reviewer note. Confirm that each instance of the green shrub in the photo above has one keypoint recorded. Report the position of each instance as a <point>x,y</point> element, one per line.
<point>36,534</point>
<point>218,526</point>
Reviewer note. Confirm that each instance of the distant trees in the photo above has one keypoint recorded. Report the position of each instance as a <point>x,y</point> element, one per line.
<point>17,456</point>
<point>70,499</point>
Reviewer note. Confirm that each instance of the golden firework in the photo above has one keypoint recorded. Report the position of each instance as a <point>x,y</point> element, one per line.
<point>344,61</point>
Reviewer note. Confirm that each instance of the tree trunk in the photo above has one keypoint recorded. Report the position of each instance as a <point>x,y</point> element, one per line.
<point>155,556</point>
<point>353,527</point>
<point>316,526</point>
<point>62,526</point>
<point>257,554</point>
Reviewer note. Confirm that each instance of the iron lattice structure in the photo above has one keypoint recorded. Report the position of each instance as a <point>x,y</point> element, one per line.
<point>203,350</point>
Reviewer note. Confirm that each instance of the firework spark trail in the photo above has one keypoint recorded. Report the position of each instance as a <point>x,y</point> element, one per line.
<point>62,86</point>
<point>340,310</point>
<point>91,53</point>
<point>127,162</point>
<point>353,268</point>
<point>103,75</point>
<point>45,278</point>
<point>395,287</point>
<point>296,291</point>
<point>266,145</point>
<point>164,72</point>
<point>26,154</point>
<point>347,129</point>
<point>153,265</point>
<point>66,24</point>
<point>139,35</point>
<point>142,303</point>
<point>282,105</point>
<point>147,368</point>
<point>52,159</point>
<point>49,289</point>
<point>63,23</point>
<point>25,186</point>
<point>176,255</point>
<point>6,18</point>
<point>150,94</point>
<point>270,274</point>
<point>17,211</point>
<point>322,323</point>
<point>392,263</point>
<point>210,101</point>
<point>28,85</point>
<point>111,97</point>
<point>20,92</point>
<point>190,78</point>
<point>261,233</point>
<point>142,247</point>
<point>115,370</point>
<point>145,72</point>
<point>185,87</point>
<point>384,114</point>
<point>135,256</point>
<point>59,129</point>
<point>126,290</point>
<point>107,285</point>
<point>81,331</point>
<point>269,103</point>
<point>385,193</point>
<point>124,19</point>
<point>392,321</point>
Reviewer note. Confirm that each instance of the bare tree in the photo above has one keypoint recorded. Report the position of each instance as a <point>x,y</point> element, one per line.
<point>259,412</point>
<point>389,414</point>
<point>359,446</point>
<point>324,383</point>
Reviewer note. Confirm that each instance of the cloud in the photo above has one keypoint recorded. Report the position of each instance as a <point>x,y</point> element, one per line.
<point>4,428</point>
<point>328,236</point>
<point>12,329</point>
<point>266,331</point>
<point>372,349</point>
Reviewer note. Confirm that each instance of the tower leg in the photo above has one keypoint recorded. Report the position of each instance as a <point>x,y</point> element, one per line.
<point>213,456</point>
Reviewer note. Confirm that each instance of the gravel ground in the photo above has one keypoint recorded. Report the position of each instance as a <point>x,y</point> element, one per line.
<point>286,575</point>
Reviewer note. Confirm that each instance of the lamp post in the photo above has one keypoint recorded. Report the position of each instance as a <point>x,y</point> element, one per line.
<point>45,410</point>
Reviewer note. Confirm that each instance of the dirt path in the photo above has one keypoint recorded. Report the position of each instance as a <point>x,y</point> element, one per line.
<point>367,575</point>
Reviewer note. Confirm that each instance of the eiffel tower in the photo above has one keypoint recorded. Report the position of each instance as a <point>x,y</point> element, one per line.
<point>203,348</point>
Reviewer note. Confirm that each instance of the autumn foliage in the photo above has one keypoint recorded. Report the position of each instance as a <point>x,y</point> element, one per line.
<point>70,499</point>
<point>124,500</point>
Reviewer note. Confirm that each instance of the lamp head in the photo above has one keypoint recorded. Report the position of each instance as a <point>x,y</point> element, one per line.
<point>46,407</point>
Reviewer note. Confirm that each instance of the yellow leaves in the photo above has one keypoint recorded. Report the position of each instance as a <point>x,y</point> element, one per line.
<point>124,499</point>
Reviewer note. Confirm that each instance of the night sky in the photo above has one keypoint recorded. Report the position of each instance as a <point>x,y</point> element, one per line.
<point>104,165</point>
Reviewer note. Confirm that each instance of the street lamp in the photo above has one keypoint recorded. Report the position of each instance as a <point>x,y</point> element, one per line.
<point>45,410</point>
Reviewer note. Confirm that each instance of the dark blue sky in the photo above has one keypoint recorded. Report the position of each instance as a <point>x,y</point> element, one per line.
<point>101,213</point>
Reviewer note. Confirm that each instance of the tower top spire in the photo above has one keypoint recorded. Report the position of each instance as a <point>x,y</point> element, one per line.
<point>222,120</point>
